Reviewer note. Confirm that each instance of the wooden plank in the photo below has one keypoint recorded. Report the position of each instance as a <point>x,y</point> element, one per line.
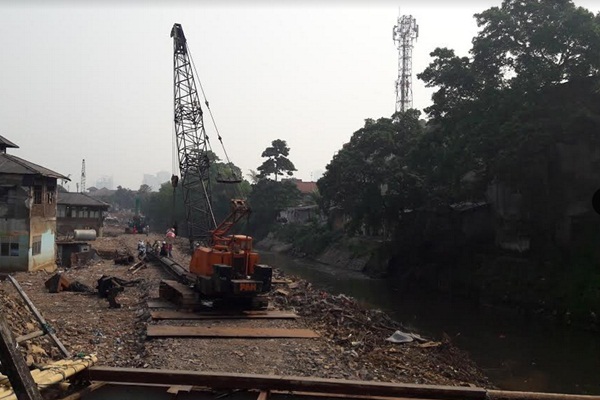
<point>179,388</point>
<point>231,381</point>
<point>281,281</point>
<point>160,303</point>
<point>85,391</point>
<point>44,325</point>
<point>171,314</point>
<point>15,366</point>
<point>510,395</point>
<point>214,332</point>
<point>263,395</point>
<point>29,336</point>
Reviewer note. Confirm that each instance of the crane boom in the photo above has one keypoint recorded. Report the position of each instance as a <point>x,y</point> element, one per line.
<point>192,144</point>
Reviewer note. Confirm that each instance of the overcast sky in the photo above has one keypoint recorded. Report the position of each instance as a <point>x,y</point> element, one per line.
<point>95,81</point>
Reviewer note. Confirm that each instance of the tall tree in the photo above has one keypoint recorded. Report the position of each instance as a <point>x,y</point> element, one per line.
<point>277,162</point>
<point>374,177</point>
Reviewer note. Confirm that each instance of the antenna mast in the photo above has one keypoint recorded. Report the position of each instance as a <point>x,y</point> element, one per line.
<point>405,32</point>
<point>83,175</point>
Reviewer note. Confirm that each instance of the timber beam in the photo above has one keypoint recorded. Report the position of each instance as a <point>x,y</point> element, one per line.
<point>281,383</point>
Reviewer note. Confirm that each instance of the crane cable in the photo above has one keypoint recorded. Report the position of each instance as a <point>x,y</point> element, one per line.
<point>237,188</point>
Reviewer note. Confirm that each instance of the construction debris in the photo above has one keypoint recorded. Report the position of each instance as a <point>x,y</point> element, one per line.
<point>58,283</point>
<point>109,287</point>
<point>345,349</point>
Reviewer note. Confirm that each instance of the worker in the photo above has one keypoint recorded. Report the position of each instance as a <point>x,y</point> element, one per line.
<point>163,249</point>
<point>171,233</point>
<point>147,230</point>
<point>141,247</point>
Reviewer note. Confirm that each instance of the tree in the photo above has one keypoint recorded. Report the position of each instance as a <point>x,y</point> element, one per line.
<point>529,84</point>
<point>277,162</point>
<point>375,177</point>
<point>124,198</point>
<point>164,210</point>
<point>267,199</point>
<point>253,176</point>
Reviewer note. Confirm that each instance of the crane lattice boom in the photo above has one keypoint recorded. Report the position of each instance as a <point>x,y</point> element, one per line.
<point>192,143</point>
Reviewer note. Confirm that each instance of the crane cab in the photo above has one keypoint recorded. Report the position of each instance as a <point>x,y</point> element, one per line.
<point>230,266</point>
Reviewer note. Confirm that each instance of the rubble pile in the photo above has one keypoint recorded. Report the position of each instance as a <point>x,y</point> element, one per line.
<point>360,337</point>
<point>37,351</point>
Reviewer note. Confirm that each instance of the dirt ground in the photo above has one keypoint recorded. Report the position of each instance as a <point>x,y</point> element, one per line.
<point>351,345</point>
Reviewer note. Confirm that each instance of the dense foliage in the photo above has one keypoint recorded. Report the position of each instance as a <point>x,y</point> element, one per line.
<point>376,176</point>
<point>529,85</point>
<point>269,197</point>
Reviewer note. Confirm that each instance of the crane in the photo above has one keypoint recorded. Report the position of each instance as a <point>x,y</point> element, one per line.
<point>83,176</point>
<point>192,144</point>
<point>225,266</point>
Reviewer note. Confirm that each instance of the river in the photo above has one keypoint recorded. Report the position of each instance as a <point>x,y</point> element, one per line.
<point>516,352</point>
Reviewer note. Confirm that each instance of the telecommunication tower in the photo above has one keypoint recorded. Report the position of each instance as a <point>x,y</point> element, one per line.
<point>405,32</point>
<point>83,175</point>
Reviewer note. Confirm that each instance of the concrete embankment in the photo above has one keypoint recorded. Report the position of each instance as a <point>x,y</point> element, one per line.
<point>370,257</point>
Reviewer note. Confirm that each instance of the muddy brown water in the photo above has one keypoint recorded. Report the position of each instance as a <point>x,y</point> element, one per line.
<point>516,352</point>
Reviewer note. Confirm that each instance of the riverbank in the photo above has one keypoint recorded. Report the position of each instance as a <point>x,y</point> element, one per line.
<point>562,289</point>
<point>515,351</point>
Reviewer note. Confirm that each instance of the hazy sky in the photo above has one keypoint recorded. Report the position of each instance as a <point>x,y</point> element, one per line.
<point>95,81</point>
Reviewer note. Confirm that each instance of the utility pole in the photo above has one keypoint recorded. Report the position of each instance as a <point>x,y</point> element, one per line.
<point>83,176</point>
<point>404,34</point>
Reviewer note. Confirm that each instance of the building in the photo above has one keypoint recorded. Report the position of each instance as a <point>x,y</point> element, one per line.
<point>27,213</point>
<point>79,211</point>
<point>307,190</point>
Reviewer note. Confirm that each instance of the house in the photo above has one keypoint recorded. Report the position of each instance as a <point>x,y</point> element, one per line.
<point>300,215</point>
<point>307,190</point>
<point>27,213</point>
<point>79,211</point>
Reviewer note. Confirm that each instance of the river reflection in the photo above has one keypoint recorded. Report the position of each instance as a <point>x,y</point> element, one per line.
<point>516,352</point>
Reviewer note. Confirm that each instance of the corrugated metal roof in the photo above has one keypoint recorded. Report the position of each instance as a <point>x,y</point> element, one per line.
<point>4,143</point>
<point>79,199</point>
<point>10,164</point>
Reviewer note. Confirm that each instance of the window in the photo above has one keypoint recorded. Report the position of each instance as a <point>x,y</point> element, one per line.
<point>61,211</point>
<point>37,194</point>
<point>50,197</point>
<point>36,245</point>
<point>9,246</point>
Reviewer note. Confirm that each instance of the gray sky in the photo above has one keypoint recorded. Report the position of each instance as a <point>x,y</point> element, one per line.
<point>95,81</point>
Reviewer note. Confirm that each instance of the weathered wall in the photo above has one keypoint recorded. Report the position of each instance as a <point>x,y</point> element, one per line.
<point>14,224</point>
<point>66,225</point>
<point>45,228</point>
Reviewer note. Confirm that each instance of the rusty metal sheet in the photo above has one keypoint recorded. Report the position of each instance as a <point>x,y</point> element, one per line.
<point>171,314</point>
<point>154,331</point>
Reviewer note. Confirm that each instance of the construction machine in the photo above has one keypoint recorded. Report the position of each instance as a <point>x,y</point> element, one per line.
<point>224,267</point>
<point>136,223</point>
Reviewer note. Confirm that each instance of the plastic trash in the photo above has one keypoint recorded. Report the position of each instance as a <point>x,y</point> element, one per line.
<point>400,337</point>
